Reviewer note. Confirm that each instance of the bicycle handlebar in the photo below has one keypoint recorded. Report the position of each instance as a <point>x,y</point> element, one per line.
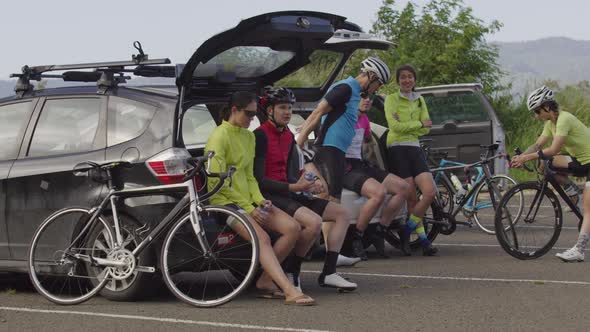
<point>197,163</point>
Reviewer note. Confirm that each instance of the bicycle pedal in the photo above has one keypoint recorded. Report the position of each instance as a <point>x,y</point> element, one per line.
<point>149,269</point>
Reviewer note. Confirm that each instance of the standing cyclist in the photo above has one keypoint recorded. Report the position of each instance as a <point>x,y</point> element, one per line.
<point>338,113</point>
<point>570,134</point>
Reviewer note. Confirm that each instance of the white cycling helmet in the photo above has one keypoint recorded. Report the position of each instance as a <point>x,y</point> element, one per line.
<point>378,67</point>
<point>539,97</point>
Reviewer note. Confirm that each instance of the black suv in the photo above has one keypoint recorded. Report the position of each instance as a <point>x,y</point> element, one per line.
<point>46,132</point>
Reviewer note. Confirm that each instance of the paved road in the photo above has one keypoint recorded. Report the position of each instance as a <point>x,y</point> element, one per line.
<point>472,285</point>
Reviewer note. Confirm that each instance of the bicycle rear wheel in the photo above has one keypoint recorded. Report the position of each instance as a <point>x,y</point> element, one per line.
<point>208,278</point>
<point>485,201</point>
<point>533,232</point>
<point>60,256</point>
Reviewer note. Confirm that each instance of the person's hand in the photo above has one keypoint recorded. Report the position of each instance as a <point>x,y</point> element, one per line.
<point>267,203</point>
<point>302,184</point>
<point>519,160</point>
<point>317,188</point>
<point>259,216</point>
<point>396,116</point>
<point>427,123</point>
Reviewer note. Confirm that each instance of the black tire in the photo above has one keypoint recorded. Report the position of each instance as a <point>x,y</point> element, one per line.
<point>59,256</point>
<point>140,285</point>
<point>488,205</point>
<point>446,202</point>
<point>210,278</point>
<point>533,233</point>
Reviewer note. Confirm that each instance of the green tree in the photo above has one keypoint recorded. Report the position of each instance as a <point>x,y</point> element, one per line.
<point>445,42</point>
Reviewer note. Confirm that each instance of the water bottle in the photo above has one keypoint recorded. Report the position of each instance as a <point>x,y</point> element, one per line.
<point>460,190</point>
<point>308,176</point>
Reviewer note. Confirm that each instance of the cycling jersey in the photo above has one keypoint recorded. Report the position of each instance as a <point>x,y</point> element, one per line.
<point>234,146</point>
<point>362,130</point>
<point>273,165</point>
<point>411,114</point>
<point>337,127</point>
<point>576,134</point>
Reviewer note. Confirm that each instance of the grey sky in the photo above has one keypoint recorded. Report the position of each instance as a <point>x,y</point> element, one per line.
<point>38,32</point>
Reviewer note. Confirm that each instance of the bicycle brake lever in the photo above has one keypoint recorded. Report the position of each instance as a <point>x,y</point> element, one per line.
<point>230,174</point>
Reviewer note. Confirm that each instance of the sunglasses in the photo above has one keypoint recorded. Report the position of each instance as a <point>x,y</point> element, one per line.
<point>371,96</point>
<point>250,113</point>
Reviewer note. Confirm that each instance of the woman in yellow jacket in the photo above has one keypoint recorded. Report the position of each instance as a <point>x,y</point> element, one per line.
<point>407,118</point>
<point>234,145</point>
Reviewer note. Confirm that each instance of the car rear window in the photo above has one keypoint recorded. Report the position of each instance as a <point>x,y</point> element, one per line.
<point>127,119</point>
<point>13,119</point>
<point>460,106</point>
<point>197,125</point>
<point>244,62</point>
<point>315,73</point>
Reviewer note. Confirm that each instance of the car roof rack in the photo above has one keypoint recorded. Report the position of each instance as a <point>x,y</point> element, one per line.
<point>105,74</point>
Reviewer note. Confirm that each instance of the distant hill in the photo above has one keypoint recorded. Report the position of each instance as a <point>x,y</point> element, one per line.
<point>530,62</point>
<point>527,64</point>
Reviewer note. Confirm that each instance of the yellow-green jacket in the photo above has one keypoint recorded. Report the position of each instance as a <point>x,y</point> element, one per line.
<point>411,114</point>
<point>234,146</point>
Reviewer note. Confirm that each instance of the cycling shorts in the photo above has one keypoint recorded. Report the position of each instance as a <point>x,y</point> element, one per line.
<point>358,173</point>
<point>331,163</point>
<point>291,202</point>
<point>406,161</point>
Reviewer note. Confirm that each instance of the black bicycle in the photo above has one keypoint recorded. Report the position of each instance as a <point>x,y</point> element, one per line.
<point>533,233</point>
<point>208,256</point>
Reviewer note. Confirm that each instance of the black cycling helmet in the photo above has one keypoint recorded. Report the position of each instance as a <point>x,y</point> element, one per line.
<point>273,96</point>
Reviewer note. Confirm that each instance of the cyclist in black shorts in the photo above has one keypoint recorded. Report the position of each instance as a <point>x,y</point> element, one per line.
<point>338,113</point>
<point>568,133</point>
<point>407,118</point>
<point>277,170</point>
<point>372,183</point>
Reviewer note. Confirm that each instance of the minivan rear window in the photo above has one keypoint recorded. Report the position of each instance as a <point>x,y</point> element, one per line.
<point>460,106</point>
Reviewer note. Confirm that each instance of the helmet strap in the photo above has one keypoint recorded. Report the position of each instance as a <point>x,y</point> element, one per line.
<point>271,118</point>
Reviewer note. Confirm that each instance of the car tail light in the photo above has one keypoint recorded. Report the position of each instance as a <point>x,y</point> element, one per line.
<point>169,165</point>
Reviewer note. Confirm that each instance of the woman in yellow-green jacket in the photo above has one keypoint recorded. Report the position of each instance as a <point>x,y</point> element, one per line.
<point>407,118</point>
<point>234,145</point>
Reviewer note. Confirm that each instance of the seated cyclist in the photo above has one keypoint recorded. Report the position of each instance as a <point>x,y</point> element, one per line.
<point>569,133</point>
<point>283,183</point>
<point>234,145</point>
<point>372,183</point>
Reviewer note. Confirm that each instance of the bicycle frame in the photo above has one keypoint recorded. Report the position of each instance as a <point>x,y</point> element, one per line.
<point>484,176</point>
<point>549,178</point>
<point>190,199</point>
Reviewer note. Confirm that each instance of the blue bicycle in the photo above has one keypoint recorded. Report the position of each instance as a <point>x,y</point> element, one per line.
<point>477,197</point>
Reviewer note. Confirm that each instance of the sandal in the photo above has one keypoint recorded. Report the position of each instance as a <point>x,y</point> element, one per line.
<point>301,300</point>
<point>270,294</point>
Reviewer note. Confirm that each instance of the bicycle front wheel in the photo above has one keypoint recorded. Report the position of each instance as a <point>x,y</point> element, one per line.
<point>60,256</point>
<point>533,232</point>
<point>212,267</point>
<point>487,199</point>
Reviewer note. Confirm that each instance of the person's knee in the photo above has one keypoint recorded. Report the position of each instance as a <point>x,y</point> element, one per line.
<point>376,192</point>
<point>429,193</point>
<point>404,188</point>
<point>315,225</point>
<point>292,228</point>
